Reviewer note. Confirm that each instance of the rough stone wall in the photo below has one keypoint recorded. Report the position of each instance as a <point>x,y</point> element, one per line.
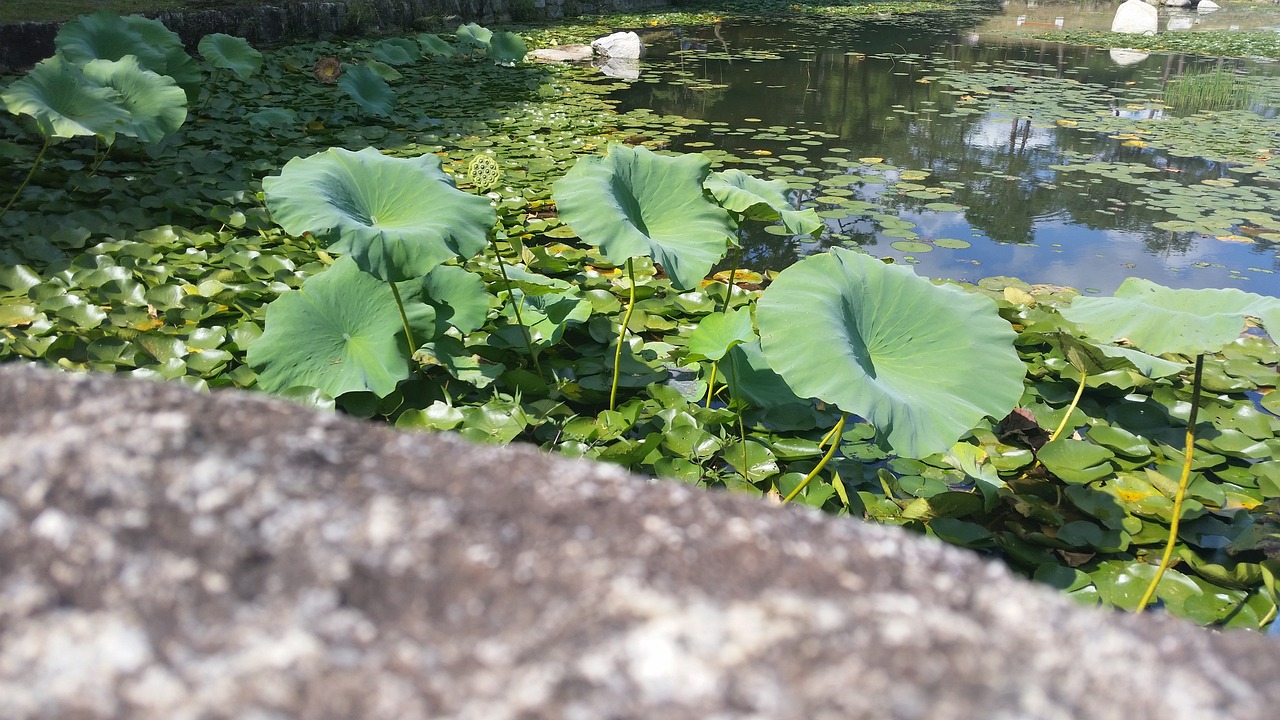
<point>25,44</point>
<point>171,555</point>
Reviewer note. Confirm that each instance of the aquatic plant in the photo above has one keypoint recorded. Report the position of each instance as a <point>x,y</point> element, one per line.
<point>633,203</point>
<point>1163,320</point>
<point>923,363</point>
<point>398,218</point>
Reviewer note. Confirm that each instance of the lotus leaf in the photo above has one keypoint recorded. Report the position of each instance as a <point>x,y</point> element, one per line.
<point>398,217</point>
<point>228,52</point>
<point>64,104</point>
<point>474,35</point>
<point>1163,320</point>
<point>459,297</point>
<point>396,51</point>
<point>634,203</point>
<point>756,199</point>
<point>922,363</point>
<point>156,105</point>
<point>341,332</point>
<point>108,36</point>
<point>369,90</point>
<point>747,371</point>
<point>434,45</point>
<point>718,333</point>
<point>507,48</point>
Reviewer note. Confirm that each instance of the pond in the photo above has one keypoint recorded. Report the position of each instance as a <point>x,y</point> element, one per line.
<point>942,142</point>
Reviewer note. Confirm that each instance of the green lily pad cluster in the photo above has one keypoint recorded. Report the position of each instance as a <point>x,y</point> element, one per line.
<point>294,242</point>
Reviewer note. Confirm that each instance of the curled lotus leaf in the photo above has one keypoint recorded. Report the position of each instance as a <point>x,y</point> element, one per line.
<point>64,103</point>
<point>474,35</point>
<point>228,52</point>
<point>369,90</point>
<point>397,217</point>
<point>635,203</point>
<point>506,48</point>
<point>108,36</point>
<point>1162,320</point>
<point>433,44</point>
<point>155,103</point>
<point>756,199</point>
<point>923,363</point>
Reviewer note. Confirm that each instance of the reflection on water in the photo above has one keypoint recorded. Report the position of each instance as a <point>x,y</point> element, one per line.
<point>821,103</point>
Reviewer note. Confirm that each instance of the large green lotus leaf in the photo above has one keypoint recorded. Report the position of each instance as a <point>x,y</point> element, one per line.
<point>634,203</point>
<point>922,363</point>
<point>397,51</point>
<point>107,36</point>
<point>64,103</point>
<point>1163,320</point>
<point>748,373</point>
<point>369,90</point>
<point>229,52</point>
<point>506,48</point>
<point>757,199</point>
<point>432,44</point>
<point>398,217</point>
<point>475,35</point>
<point>341,332</point>
<point>156,105</point>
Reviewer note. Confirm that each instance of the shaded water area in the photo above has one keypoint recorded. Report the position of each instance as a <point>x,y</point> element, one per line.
<point>940,141</point>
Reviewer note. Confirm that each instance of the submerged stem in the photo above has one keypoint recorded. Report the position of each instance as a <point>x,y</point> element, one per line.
<point>404,318</point>
<point>622,332</point>
<point>834,436</point>
<point>1182,487</point>
<point>27,179</point>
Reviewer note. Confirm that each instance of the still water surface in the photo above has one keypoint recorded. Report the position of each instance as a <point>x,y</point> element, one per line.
<point>942,142</point>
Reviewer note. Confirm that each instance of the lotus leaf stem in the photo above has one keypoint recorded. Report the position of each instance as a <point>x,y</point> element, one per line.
<point>404,318</point>
<point>711,385</point>
<point>1084,373</point>
<point>213,84</point>
<point>834,437</point>
<point>728,290</point>
<point>622,332</point>
<point>728,295</point>
<point>40,156</point>
<point>1270,616</point>
<point>515,308</point>
<point>1182,487</point>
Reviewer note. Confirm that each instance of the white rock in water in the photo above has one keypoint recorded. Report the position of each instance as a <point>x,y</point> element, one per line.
<point>1207,6</point>
<point>620,45</point>
<point>1135,16</point>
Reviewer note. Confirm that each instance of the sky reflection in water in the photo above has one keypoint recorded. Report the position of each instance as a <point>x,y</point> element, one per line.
<point>796,99</point>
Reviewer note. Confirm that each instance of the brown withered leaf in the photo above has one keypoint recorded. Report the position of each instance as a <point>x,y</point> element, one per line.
<point>1019,427</point>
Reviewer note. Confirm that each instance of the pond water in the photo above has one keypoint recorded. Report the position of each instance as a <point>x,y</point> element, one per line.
<point>943,142</point>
